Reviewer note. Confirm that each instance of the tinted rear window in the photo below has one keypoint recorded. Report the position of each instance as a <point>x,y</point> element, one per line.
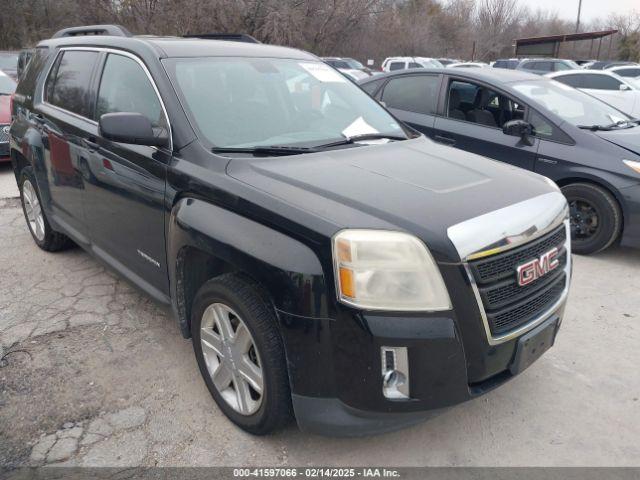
<point>69,81</point>
<point>412,94</point>
<point>600,82</point>
<point>574,81</point>
<point>629,72</point>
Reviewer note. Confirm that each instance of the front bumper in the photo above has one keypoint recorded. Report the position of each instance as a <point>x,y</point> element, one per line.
<point>338,391</point>
<point>336,364</point>
<point>631,229</point>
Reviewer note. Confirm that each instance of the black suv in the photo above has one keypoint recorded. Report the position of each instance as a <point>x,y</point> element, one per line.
<point>327,262</point>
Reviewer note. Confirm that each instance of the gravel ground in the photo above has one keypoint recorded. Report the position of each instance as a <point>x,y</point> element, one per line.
<point>97,374</point>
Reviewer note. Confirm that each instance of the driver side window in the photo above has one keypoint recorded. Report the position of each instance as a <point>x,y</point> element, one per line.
<point>479,104</point>
<point>125,87</point>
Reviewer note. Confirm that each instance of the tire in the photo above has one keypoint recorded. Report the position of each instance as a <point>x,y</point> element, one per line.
<point>43,235</point>
<point>596,219</point>
<point>247,306</point>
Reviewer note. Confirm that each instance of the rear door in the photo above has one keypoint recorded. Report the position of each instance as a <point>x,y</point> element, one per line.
<point>413,99</point>
<point>126,183</point>
<point>64,119</point>
<point>472,120</point>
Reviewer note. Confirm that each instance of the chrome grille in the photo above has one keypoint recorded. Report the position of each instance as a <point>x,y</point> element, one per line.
<point>4,141</point>
<point>507,305</point>
<point>501,266</point>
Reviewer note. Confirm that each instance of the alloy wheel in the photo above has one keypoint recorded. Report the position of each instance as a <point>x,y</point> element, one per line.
<point>584,220</point>
<point>33,210</point>
<point>232,358</point>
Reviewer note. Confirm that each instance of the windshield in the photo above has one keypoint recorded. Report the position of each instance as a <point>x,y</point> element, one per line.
<point>354,64</point>
<point>432,63</point>
<point>571,105</point>
<point>248,102</point>
<point>572,65</point>
<point>8,61</point>
<point>7,85</point>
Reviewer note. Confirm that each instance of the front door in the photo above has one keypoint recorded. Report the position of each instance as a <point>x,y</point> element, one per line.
<point>473,119</point>
<point>126,183</point>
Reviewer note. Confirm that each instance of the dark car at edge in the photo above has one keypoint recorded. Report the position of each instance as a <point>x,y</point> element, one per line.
<point>588,148</point>
<point>328,263</point>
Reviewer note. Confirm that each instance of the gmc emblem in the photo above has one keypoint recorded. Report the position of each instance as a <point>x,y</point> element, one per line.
<point>531,271</point>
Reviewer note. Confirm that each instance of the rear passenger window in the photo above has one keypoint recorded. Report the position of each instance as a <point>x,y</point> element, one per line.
<point>69,81</point>
<point>125,87</point>
<point>414,65</point>
<point>412,94</point>
<point>629,72</point>
<point>600,82</point>
<point>574,81</point>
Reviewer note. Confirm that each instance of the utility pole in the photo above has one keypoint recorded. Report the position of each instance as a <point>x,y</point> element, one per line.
<point>578,19</point>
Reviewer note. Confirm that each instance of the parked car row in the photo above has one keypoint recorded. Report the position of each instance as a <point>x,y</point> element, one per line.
<point>329,262</point>
<point>620,92</point>
<point>7,87</point>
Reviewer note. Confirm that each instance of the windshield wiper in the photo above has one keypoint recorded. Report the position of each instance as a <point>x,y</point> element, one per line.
<point>611,126</point>
<point>595,128</point>
<point>267,150</point>
<point>360,138</point>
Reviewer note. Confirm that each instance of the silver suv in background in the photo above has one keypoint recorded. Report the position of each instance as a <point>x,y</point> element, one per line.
<point>391,64</point>
<point>542,66</point>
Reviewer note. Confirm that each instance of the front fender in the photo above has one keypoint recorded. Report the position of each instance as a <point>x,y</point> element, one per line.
<point>289,270</point>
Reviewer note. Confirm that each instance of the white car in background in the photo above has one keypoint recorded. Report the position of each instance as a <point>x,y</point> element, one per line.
<point>468,65</point>
<point>619,92</point>
<point>391,64</point>
<point>348,67</point>
<point>626,71</point>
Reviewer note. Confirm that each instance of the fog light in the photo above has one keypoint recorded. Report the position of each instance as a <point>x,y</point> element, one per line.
<point>395,372</point>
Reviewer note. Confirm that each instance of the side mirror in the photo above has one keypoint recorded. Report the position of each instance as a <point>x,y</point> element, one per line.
<point>624,87</point>
<point>134,128</point>
<point>519,128</point>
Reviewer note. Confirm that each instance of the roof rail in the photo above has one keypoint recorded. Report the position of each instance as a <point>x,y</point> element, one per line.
<point>113,30</point>
<point>233,37</point>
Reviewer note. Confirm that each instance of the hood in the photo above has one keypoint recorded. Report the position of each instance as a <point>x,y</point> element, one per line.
<point>415,185</point>
<point>627,138</point>
<point>5,113</point>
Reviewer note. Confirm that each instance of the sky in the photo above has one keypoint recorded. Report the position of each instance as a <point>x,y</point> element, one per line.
<point>591,9</point>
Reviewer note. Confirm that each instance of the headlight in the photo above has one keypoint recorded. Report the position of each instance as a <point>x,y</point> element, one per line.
<point>384,270</point>
<point>635,166</point>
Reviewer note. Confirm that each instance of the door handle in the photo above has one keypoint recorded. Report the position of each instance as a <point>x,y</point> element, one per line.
<point>548,160</point>
<point>446,140</point>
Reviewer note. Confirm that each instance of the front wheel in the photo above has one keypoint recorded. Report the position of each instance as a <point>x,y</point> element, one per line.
<point>596,219</point>
<point>240,354</point>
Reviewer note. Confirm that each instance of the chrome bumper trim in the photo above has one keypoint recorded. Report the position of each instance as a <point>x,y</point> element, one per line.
<point>507,228</point>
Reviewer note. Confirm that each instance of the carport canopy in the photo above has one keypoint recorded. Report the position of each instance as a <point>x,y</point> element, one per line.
<point>549,46</point>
